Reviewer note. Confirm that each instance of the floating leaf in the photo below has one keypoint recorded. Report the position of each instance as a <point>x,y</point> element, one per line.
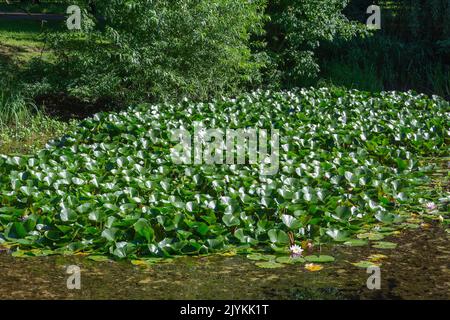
<point>269,265</point>
<point>313,267</point>
<point>319,259</point>
<point>371,236</point>
<point>278,236</point>
<point>384,245</point>
<point>98,258</point>
<point>355,243</point>
<point>139,263</point>
<point>376,257</point>
<point>365,264</point>
<point>290,260</point>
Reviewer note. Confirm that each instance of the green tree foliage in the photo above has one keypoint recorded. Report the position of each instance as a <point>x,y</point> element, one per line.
<point>411,51</point>
<point>295,31</point>
<point>409,20</point>
<point>160,50</point>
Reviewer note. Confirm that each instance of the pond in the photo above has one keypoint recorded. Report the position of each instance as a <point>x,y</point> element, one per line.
<point>419,268</point>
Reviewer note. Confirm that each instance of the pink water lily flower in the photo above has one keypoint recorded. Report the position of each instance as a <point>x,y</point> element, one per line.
<point>296,250</point>
<point>431,206</point>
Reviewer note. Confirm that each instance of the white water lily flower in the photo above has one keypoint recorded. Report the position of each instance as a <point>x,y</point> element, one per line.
<point>296,250</point>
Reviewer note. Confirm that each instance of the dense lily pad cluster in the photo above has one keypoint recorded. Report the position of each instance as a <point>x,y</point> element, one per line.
<point>348,159</point>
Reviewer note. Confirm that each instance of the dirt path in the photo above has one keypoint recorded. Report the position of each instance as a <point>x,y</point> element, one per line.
<point>30,16</point>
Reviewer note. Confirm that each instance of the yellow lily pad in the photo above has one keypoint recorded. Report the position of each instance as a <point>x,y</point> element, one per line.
<point>376,257</point>
<point>313,267</point>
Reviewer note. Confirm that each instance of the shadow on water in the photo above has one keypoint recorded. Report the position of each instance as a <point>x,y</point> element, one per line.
<point>418,269</point>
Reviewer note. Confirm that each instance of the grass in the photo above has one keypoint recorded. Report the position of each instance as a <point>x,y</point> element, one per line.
<point>24,127</point>
<point>23,40</point>
<point>14,109</point>
<point>31,136</point>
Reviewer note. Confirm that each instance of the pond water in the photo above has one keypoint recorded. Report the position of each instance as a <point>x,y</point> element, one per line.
<point>418,269</point>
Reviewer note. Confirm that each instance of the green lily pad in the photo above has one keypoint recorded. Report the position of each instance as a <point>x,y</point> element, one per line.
<point>289,260</point>
<point>269,265</point>
<point>98,258</point>
<point>384,245</point>
<point>412,226</point>
<point>371,236</point>
<point>356,243</point>
<point>319,259</point>
<point>260,257</point>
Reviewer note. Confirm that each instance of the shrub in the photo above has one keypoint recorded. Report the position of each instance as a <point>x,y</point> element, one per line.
<point>160,50</point>
<point>295,32</point>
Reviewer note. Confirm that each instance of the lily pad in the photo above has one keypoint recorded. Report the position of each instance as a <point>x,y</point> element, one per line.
<point>269,265</point>
<point>289,260</point>
<point>313,267</point>
<point>320,258</point>
<point>365,264</point>
<point>98,258</point>
<point>371,236</point>
<point>412,226</point>
<point>377,257</point>
<point>356,243</point>
<point>260,257</point>
<point>384,245</point>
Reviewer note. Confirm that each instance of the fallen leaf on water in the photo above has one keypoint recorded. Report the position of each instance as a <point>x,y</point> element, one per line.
<point>313,267</point>
<point>365,264</point>
<point>376,257</point>
<point>229,254</point>
<point>139,263</point>
<point>82,254</point>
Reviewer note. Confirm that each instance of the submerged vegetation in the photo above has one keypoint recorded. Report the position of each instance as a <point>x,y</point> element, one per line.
<point>350,172</point>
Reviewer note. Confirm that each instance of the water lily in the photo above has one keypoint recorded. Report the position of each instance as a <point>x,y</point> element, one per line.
<point>296,250</point>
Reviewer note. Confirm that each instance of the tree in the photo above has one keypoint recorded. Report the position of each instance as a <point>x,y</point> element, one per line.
<point>295,31</point>
<point>161,50</point>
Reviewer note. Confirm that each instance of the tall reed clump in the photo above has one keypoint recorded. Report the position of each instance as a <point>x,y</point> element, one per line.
<point>15,109</point>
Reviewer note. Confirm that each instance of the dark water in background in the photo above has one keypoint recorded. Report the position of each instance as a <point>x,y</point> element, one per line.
<point>418,269</point>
